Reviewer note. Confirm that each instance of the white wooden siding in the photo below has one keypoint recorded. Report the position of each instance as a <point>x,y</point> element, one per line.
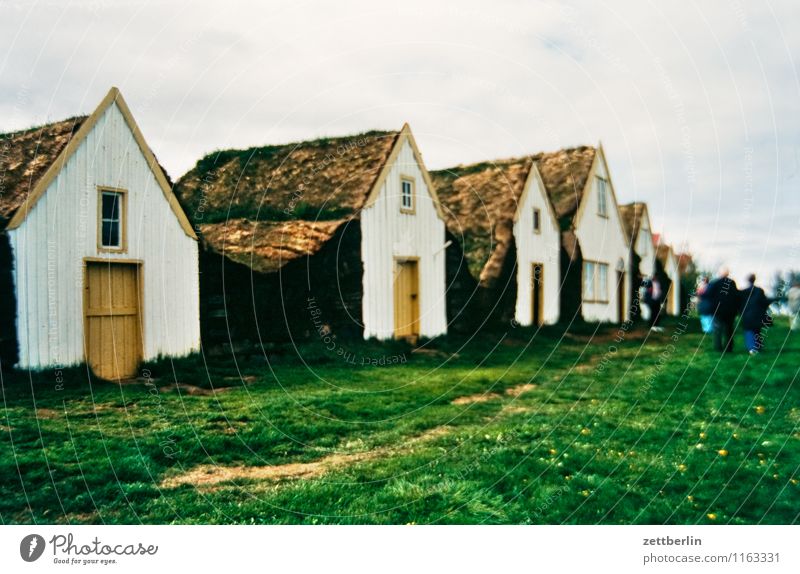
<point>387,234</point>
<point>61,230</point>
<point>645,249</point>
<point>542,247</point>
<point>602,240</point>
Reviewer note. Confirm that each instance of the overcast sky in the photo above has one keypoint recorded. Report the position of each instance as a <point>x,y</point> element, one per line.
<point>697,104</point>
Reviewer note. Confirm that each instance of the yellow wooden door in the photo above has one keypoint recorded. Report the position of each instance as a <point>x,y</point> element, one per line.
<point>406,299</point>
<point>113,328</point>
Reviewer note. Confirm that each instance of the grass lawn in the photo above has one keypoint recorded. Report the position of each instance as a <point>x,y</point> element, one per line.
<point>595,426</point>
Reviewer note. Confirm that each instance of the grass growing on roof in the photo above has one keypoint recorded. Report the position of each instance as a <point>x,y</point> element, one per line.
<point>325,178</point>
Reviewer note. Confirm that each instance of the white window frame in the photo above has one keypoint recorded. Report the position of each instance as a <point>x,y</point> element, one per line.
<point>408,182</point>
<point>594,282</point>
<point>122,212</point>
<point>537,220</point>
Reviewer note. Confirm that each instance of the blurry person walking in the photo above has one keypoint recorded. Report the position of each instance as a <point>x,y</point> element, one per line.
<point>652,298</point>
<point>793,300</point>
<point>754,305</point>
<point>724,297</point>
<point>644,309</point>
<point>704,306</point>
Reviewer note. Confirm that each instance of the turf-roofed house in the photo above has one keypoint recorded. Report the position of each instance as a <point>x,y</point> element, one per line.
<point>638,229</point>
<point>500,213</point>
<point>336,237</point>
<point>98,263</point>
<point>596,273</point>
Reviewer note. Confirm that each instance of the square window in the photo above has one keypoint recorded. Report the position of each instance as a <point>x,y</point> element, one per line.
<point>595,282</point>
<point>111,203</point>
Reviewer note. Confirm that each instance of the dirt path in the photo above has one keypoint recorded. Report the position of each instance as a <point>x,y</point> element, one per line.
<point>486,397</point>
<point>208,476</point>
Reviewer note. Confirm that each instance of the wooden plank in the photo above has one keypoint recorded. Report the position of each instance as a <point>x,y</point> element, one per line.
<point>109,311</point>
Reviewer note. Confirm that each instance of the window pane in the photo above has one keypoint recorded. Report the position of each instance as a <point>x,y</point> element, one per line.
<point>536,220</point>
<point>588,281</point>
<point>602,282</point>
<point>110,206</point>
<point>110,237</point>
<point>407,196</point>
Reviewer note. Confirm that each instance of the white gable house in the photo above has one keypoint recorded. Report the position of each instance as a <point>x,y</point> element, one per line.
<point>638,228</point>
<point>538,241</point>
<point>332,237</point>
<point>597,278</point>
<point>500,212</point>
<point>104,263</point>
<point>403,249</point>
<point>606,274</point>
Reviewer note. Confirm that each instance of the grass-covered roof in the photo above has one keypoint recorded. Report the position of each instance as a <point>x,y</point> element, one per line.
<point>564,173</point>
<point>267,246</point>
<point>266,205</point>
<point>481,201</point>
<point>25,156</point>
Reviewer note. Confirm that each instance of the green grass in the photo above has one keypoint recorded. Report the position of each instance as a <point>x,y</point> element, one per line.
<point>613,432</point>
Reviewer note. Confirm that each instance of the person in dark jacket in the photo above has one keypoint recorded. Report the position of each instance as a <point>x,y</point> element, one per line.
<point>754,304</point>
<point>724,297</point>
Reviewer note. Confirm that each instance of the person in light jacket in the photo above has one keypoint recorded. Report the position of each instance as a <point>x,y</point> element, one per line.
<point>644,309</point>
<point>704,306</point>
<point>652,299</point>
